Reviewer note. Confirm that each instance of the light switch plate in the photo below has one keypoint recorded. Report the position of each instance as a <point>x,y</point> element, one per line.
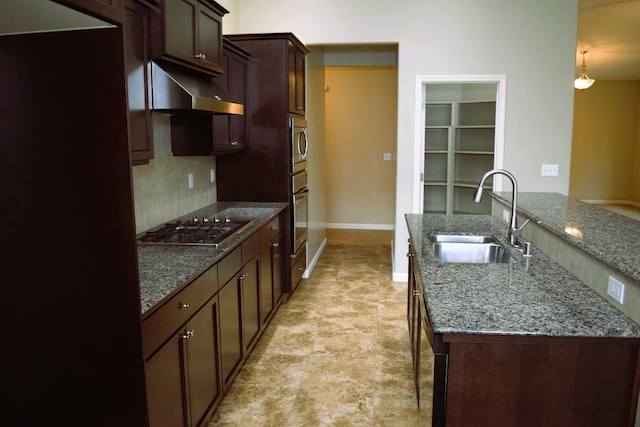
<point>387,157</point>
<point>190,180</point>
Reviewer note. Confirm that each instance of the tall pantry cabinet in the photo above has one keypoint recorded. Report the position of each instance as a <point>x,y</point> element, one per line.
<point>276,92</point>
<point>459,141</point>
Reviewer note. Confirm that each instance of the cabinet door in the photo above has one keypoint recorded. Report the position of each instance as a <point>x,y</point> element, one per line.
<point>300,83</point>
<point>296,65</point>
<point>266,283</point>
<point>270,277</point>
<point>230,329</point>
<point>250,302</point>
<point>137,66</point>
<point>180,20</point>
<point>209,41</point>
<point>205,385</point>
<point>166,389</point>
<point>230,131</point>
<point>413,317</point>
<point>238,70</point>
<point>277,266</point>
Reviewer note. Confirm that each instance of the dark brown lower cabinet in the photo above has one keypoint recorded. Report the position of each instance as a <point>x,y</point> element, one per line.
<point>520,380</point>
<point>183,379</point>
<point>250,283</point>
<point>192,359</point>
<point>230,329</point>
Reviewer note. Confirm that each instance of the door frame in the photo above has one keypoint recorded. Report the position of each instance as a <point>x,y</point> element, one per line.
<point>501,95</point>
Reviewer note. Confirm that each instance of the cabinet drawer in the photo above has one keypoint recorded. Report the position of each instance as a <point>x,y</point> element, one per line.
<point>230,265</point>
<point>269,231</point>
<point>167,319</point>
<point>250,248</point>
<point>298,267</point>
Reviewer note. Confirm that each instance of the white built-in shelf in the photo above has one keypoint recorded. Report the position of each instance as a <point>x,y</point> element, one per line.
<point>459,140</point>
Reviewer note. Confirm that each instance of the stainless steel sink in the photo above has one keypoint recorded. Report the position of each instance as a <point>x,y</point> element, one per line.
<point>455,238</point>
<point>470,249</point>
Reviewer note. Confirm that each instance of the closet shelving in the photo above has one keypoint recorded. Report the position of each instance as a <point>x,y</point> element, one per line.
<point>459,149</point>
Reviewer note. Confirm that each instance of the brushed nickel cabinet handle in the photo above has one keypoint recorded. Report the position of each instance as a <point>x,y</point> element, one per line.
<point>184,305</point>
<point>187,335</point>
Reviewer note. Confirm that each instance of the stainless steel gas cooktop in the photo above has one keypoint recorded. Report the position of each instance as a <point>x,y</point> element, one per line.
<point>197,231</point>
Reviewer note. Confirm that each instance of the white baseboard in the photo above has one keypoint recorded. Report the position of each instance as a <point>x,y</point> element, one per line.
<point>314,260</point>
<point>400,277</point>
<point>348,226</point>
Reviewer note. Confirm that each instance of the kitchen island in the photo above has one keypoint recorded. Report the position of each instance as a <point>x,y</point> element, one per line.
<point>525,343</point>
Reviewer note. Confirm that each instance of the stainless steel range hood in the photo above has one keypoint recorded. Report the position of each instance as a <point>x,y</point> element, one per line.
<point>179,90</point>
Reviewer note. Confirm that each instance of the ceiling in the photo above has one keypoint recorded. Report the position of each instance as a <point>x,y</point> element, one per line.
<point>610,31</point>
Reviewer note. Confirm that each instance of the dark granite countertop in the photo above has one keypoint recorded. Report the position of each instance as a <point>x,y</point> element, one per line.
<point>163,269</point>
<point>534,296</point>
<point>610,237</point>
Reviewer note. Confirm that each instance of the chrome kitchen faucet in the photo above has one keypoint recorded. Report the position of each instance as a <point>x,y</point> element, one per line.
<point>513,232</point>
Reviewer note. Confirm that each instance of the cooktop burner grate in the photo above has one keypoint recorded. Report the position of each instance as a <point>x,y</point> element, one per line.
<point>195,232</point>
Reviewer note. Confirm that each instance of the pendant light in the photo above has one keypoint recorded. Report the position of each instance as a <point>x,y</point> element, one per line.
<point>583,82</point>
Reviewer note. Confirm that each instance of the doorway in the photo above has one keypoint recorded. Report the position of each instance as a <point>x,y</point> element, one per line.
<point>459,137</point>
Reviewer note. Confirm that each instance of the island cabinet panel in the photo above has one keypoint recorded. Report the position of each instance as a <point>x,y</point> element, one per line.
<point>517,382</point>
<point>189,32</point>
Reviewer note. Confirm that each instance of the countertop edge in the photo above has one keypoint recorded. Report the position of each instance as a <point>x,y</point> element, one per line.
<point>591,247</point>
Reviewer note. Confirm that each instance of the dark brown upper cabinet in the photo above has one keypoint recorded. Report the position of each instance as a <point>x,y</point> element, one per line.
<point>137,63</point>
<point>110,10</point>
<point>189,32</point>
<point>296,64</point>
<point>207,134</point>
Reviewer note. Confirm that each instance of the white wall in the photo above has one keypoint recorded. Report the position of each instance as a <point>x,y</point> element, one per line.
<point>531,42</point>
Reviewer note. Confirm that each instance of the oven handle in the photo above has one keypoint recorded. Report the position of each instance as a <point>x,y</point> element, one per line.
<point>300,195</point>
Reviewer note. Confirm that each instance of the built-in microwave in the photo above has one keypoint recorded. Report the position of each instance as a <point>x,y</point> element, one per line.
<point>299,143</point>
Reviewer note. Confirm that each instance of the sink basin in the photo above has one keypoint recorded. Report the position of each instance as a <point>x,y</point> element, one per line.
<point>469,252</point>
<point>455,238</point>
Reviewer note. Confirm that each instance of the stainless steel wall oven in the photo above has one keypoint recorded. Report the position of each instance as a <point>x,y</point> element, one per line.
<point>299,189</point>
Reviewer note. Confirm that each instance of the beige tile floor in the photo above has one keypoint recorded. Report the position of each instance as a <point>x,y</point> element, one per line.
<point>337,353</point>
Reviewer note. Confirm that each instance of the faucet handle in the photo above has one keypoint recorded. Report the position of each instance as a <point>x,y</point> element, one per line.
<point>525,223</point>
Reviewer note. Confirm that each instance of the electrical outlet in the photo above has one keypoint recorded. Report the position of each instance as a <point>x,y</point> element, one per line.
<point>549,170</point>
<point>212,175</point>
<point>387,157</point>
<point>615,289</point>
<point>190,180</point>
<point>505,215</point>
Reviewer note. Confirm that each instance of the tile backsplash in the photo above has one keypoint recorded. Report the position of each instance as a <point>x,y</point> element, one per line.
<point>161,188</point>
